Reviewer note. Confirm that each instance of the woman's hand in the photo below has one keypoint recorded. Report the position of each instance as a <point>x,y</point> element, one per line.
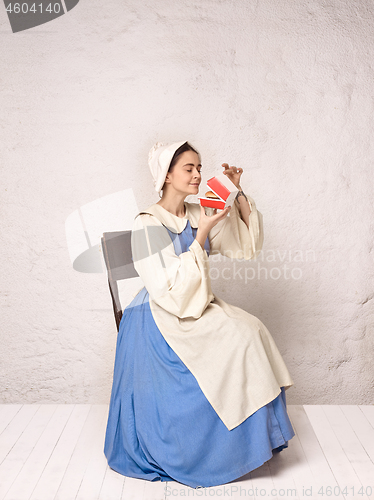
<point>206,223</point>
<point>233,174</point>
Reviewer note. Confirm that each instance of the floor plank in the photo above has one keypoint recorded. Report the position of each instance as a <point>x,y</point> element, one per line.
<point>32,470</point>
<point>113,485</point>
<point>340,466</point>
<point>301,472</point>
<point>351,445</point>
<point>262,481</point>
<point>368,411</point>
<point>7,413</point>
<point>282,470</point>
<point>76,468</point>
<point>17,456</point>
<point>14,428</point>
<point>94,474</point>
<point>362,420</point>
<point>133,489</point>
<point>54,470</point>
<point>154,490</point>
<point>317,473</point>
<point>241,487</point>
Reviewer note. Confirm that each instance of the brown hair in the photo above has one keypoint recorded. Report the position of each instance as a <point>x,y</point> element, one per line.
<point>178,152</point>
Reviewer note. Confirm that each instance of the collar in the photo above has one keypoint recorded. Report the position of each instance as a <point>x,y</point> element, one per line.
<point>173,222</point>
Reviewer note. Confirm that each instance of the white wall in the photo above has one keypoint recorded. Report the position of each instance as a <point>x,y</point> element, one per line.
<point>282,89</point>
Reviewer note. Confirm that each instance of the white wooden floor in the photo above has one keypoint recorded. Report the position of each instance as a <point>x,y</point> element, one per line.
<point>55,452</point>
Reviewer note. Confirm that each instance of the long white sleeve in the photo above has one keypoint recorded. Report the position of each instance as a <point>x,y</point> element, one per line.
<point>178,284</point>
<point>231,236</point>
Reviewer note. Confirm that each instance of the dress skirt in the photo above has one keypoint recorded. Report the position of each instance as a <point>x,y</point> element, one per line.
<point>160,424</point>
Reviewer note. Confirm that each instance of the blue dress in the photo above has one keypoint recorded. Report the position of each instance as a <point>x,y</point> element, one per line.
<point>160,424</point>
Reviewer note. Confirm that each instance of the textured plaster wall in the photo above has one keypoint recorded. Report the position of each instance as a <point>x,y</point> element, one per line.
<point>282,89</point>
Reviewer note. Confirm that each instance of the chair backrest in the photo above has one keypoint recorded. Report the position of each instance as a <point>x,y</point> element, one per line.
<point>118,260</point>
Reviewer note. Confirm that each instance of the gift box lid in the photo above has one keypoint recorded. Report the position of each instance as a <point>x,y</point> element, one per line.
<point>222,186</point>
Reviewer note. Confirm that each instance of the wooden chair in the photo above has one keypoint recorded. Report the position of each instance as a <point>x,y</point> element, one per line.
<point>117,253</point>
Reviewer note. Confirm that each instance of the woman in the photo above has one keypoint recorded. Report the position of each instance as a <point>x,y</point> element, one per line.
<point>199,385</point>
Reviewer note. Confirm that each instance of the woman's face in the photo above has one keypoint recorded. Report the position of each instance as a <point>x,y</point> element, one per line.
<point>185,176</point>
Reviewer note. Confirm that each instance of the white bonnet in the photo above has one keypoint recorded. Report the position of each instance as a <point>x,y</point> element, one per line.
<point>159,159</point>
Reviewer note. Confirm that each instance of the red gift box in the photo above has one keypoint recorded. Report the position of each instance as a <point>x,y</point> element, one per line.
<point>224,189</point>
